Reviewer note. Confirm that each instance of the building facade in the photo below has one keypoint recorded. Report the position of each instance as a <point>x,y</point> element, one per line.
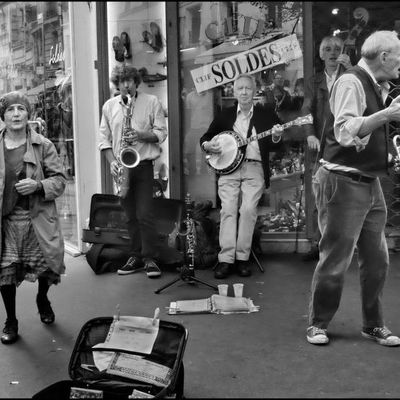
<point>61,53</point>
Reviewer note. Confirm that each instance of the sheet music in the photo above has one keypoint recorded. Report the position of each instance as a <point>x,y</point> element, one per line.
<point>136,334</point>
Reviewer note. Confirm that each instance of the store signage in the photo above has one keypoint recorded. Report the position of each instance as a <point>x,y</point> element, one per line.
<point>255,60</point>
<point>56,54</point>
<point>214,32</point>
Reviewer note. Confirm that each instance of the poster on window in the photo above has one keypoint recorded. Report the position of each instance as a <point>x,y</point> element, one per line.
<point>265,56</point>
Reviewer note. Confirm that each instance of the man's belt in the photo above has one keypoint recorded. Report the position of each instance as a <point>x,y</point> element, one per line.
<point>251,160</point>
<point>352,175</point>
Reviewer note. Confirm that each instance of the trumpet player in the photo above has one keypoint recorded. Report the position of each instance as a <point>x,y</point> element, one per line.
<point>351,205</point>
<point>147,129</point>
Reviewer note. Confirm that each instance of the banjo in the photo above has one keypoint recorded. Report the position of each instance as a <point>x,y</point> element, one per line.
<point>232,155</point>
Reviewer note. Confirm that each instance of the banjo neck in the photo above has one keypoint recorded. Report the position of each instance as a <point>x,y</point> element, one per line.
<point>298,121</point>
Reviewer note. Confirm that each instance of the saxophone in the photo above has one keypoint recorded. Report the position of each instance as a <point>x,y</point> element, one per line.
<point>128,157</point>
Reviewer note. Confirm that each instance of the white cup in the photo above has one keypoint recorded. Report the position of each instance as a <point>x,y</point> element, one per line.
<point>238,289</point>
<point>223,289</point>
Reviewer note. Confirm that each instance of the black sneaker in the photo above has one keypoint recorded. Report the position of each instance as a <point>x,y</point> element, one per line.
<point>382,335</point>
<point>133,265</point>
<point>10,332</point>
<point>152,269</point>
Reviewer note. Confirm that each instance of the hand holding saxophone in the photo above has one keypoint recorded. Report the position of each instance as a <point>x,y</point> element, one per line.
<point>114,168</point>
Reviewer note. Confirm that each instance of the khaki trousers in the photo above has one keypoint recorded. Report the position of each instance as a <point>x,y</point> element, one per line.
<point>240,193</point>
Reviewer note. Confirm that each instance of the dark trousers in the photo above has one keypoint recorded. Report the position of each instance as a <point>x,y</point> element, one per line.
<point>351,214</point>
<point>138,206</point>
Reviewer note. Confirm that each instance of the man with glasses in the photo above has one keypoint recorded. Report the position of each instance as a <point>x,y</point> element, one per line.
<point>351,205</point>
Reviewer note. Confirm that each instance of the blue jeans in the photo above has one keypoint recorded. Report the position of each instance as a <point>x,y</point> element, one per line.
<point>350,214</point>
<point>138,206</point>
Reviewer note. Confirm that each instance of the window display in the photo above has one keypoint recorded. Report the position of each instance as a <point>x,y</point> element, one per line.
<point>136,34</point>
<point>219,41</point>
<point>35,58</point>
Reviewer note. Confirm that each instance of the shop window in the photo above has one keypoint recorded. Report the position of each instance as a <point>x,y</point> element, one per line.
<point>38,64</point>
<point>232,35</point>
<point>136,36</point>
<point>353,22</point>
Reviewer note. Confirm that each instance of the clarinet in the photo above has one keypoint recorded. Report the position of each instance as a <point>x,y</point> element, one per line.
<point>190,232</point>
<point>187,269</point>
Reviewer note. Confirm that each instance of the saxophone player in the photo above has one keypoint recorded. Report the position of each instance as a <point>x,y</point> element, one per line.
<point>147,130</point>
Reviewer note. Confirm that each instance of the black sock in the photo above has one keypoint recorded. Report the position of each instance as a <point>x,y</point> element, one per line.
<point>43,288</point>
<point>8,293</point>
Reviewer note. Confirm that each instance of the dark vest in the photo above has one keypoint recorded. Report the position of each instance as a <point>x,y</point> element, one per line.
<point>375,155</point>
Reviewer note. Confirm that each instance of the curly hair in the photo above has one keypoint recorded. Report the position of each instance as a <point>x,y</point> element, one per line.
<point>122,73</point>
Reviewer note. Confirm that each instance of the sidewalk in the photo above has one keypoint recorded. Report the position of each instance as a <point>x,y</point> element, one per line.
<point>259,355</point>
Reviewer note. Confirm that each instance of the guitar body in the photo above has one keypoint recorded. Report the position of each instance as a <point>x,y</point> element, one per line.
<point>232,156</point>
<point>233,147</point>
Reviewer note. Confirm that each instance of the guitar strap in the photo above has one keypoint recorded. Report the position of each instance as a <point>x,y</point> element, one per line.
<point>249,132</point>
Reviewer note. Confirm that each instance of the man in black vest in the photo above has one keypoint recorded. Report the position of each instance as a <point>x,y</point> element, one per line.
<point>241,190</point>
<point>349,198</point>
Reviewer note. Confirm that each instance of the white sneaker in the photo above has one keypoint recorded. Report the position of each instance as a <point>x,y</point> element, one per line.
<point>382,335</point>
<point>317,335</point>
<point>152,269</point>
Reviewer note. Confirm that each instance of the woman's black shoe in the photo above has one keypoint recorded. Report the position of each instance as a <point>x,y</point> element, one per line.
<point>46,312</point>
<point>10,332</point>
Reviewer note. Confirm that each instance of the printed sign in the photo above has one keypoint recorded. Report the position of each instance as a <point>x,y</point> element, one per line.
<point>254,60</point>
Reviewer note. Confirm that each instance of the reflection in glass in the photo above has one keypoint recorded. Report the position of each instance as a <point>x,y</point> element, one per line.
<point>216,39</point>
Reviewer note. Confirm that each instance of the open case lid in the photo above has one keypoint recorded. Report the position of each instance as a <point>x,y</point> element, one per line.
<point>168,350</point>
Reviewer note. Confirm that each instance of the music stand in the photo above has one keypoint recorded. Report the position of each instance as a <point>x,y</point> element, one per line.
<point>187,273</point>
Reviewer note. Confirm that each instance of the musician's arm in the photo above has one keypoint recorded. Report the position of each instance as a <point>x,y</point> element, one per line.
<point>213,130</point>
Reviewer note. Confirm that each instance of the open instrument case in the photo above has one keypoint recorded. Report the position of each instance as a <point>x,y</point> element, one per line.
<point>167,350</point>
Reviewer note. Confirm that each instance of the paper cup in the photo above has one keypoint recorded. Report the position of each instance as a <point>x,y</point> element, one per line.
<point>223,290</point>
<point>238,289</point>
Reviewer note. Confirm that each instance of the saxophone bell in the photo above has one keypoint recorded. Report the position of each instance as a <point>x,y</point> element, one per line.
<point>129,157</point>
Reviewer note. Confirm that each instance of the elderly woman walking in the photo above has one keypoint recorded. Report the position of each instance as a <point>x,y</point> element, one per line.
<point>31,178</point>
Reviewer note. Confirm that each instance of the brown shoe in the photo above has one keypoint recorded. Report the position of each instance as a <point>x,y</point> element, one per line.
<point>242,268</point>
<point>223,270</point>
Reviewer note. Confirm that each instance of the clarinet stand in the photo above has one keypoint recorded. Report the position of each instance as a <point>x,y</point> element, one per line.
<point>186,273</point>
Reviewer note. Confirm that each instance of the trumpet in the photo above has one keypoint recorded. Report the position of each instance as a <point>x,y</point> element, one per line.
<point>396,144</point>
<point>128,157</point>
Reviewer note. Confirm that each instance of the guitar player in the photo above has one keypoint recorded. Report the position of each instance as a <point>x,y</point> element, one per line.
<point>241,190</point>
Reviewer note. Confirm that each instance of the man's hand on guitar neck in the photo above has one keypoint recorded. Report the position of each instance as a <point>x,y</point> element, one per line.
<point>277,132</point>
<point>212,146</point>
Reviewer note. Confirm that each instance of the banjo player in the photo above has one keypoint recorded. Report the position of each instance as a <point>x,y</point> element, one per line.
<point>240,191</point>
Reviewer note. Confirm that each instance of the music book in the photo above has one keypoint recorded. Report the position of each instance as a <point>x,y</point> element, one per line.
<point>215,304</point>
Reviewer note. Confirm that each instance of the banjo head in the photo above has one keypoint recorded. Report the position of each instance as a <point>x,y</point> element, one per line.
<point>229,159</point>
